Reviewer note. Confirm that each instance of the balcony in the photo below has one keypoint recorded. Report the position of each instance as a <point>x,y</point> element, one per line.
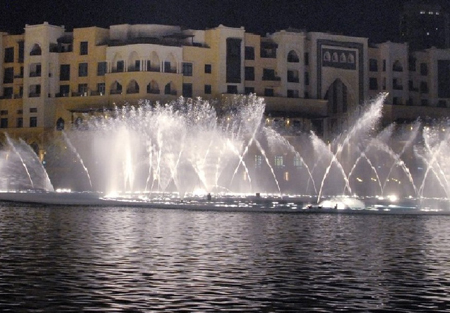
<point>271,78</point>
<point>115,92</point>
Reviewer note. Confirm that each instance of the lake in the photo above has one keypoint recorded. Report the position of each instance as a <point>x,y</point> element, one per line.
<point>112,259</point>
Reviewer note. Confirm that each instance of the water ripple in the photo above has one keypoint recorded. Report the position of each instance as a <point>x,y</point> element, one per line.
<point>138,260</point>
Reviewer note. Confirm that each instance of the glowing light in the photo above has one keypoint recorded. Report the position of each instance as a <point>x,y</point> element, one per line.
<point>393,198</point>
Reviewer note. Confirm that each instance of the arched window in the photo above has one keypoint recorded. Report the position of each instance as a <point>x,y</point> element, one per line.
<point>327,56</point>
<point>343,58</point>
<point>36,50</point>
<point>169,89</point>
<point>134,63</point>
<point>153,87</point>
<point>293,57</point>
<point>133,87</point>
<point>153,65</point>
<point>351,58</point>
<point>170,64</point>
<point>60,124</point>
<point>334,57</point>
<point>116,88</point>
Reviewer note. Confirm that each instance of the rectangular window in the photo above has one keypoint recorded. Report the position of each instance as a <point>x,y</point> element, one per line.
<point>306,56</point>
<point>298,161</point>
<point>258,160</point>
<point>208,68</point>
<point>384,65</point>
<point>279,162</point>
<point>249,90</point>
<point>4,122</point>
<point>187,69</point>
<point>9,55</point>
<point>120,66</point>
<point>423,87</point>
<point>8,92</point>
<point>373,65</point>
<point>208,89</point>
<point>4,112</point>
<point>137,65</point>
<point>33,121</point>
<point>232,89</point>
<point>101,68</point>
<point>233,60</point>
<point>64,90</point>
<point>8,77</point>
<point>19,122</point>
<point>83,89</point>
<point>187,90</point>
<point>82,69</point>
<point>423,69</point>
<point>373,83</point>
<point>292,93</point>
<point>268,74</point>
<point>292,76</point>
<point>21,51</point>
<point>35,70</point>
<point>268,92</point>
<point>249,73</point>
<point>101,89</point>
<point>35,91</point>
<point>306,78</point>
<point>168,67</point>
<point>64,72</point>
<point>249,53</point>
<point>83,48</point>
<point>33,110</point>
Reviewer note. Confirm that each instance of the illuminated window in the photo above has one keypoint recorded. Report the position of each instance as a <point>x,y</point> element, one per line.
<point>286,176</point>
<point>298,161</point>
<point>279,162</point>
<point>258,161</point>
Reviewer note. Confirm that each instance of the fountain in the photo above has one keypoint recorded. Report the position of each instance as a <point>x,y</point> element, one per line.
<point>175,154</point>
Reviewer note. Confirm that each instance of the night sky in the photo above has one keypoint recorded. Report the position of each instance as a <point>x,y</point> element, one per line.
<point>376,19</point>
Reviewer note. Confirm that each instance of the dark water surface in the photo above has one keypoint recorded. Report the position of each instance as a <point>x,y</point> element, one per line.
<point>87,259</point>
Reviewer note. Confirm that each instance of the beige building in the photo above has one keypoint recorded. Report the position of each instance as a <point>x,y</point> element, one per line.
<point>310,80</point>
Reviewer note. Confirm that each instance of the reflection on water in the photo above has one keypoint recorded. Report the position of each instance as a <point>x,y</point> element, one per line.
<point>138,260</point>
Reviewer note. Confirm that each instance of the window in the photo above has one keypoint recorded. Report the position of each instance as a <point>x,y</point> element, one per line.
<point>268,92</point>
<point>35,70</point>
<point>64,72</point>
<point>268,74</point>
<point>258,161</point>
<point>249,90</point>
<point>168,89</point>
<point>168,67</point>
<point>82,89</point>
<point>4,122</point>
<point>33,121</point>
<point>423,87</point>
<point>373,83</point>
<point>35,91</point>
<point>249,73</point>
<point>4,112</point>
<point>373,65</point>
<point>298,161</point>
<point>293,57</point>
<point>8,77</point>
<point>423,69</point>
<point>442,104</point>
<point>208,68</point>
<point>101,89</point>
<point>101,68</point>
<point>249,53</point>
<point>232,89</point>
<point>306,56</point>
<point>208,90</point>
<point>384,65</point>
<point>187,69</point>
<point>64,91</point>
<point>82,69</point>
<point>306,78</point>
<point>292,76</point>
<point>187,90</point>
<point>120,66</point>
<point>279,162</point>
<point>83,48</point>
<point>33,110</point>
<point>21,51</point>
<point>292,93</point>
<point>8,92</point>
<point>36,50</point>
<point>9,55</point>
<point>19,122</point>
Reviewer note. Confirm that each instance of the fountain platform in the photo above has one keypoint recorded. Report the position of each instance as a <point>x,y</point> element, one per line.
<point>229,203</point>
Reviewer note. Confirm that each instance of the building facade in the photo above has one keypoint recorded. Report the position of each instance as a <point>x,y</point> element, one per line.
<point>310,80</point>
